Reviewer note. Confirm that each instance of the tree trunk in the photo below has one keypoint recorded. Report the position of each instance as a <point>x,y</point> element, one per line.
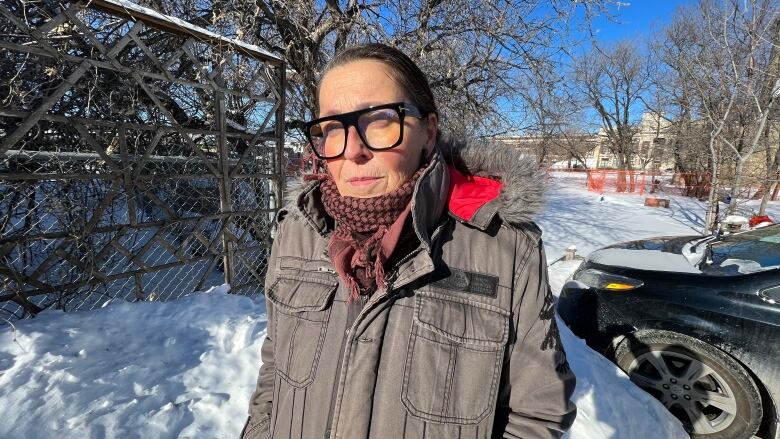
<point>712,200</point>
<point>737,187</point>
<point>621,174</point>
<point>765,200</point>
<point>743,157</point>
<point>773,173</point>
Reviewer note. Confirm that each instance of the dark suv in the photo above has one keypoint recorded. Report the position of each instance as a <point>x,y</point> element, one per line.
<point>695,321</point>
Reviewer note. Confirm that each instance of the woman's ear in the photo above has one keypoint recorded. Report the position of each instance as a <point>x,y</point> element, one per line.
<point>432,130</point>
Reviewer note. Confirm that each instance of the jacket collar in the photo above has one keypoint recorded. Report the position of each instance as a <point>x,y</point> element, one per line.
<point>518,197</point>
<point>494,179</point>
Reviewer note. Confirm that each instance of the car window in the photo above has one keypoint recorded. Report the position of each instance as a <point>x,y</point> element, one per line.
<point>772,238</point>
<point>747,252</point>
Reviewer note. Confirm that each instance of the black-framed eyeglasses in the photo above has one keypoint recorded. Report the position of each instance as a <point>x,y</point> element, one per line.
<point>380,127</point>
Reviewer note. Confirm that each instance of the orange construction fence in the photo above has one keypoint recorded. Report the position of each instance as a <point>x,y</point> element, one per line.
<point>692,184</point>
<point>616,181</point>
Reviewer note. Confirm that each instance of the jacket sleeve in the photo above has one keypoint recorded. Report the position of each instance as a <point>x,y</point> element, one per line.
<point>537,384</point>
<point>261,402</point>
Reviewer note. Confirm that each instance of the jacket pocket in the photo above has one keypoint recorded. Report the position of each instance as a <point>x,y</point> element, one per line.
<point>301,314</point>
<point>454,359</point>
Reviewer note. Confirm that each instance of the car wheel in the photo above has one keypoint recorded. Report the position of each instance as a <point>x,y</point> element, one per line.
<point>706,389</point>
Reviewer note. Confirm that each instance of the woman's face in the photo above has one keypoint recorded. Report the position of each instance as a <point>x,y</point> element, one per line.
<point>361,172</point>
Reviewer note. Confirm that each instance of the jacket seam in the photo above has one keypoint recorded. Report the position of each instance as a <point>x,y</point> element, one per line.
<point>421,292</point>
<point>312,372</point>
<point>520,272</point>
<point>255,427</point>
<point>305,214</point>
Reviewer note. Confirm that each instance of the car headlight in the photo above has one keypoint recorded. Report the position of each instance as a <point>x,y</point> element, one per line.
<point>606,281</point>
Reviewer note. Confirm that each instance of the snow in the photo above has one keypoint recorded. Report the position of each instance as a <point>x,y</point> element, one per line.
<point>695,250</point>
<point>575,216</point>
<point>183,368</point>
<point>737,220</point>
<point>644,260</point>
<point>187,368</point>
<point>131,7</point>
<point>590,220</point>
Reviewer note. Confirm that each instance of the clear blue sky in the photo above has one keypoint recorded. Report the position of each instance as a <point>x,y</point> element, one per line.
<point>636,19</point>
<point>632,19</point>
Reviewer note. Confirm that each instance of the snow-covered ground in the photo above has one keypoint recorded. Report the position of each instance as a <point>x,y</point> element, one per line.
<point>174,369</point>
<point>187,368</point>
<point>574,216</point>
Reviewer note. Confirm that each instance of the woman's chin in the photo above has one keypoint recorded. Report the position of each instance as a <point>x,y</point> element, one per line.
<point>363,189</point>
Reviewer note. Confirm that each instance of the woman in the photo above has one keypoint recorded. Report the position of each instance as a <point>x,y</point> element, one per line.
<point>407,290</point>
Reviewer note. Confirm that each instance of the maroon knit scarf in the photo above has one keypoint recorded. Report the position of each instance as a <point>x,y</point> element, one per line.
<point>367,231</point>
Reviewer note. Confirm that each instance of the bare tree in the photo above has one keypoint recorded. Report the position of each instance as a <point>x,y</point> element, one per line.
<point>612,81</point>
<point>548,110</point>
<point>476,53</point>
<point>771,185</point>
<point>574,144</point>
<point>720,51</point>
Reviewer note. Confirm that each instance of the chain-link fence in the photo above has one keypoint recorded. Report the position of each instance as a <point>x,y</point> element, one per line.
<point>140,157</point>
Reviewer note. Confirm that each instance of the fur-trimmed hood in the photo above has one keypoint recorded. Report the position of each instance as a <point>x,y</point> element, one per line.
<point>515,176</point>
<point>522,183</point>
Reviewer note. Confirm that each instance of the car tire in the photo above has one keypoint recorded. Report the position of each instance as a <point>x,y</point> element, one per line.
<point>706,389</point>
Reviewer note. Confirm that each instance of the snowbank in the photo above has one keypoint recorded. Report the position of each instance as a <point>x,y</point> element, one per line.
<point>146,370</point>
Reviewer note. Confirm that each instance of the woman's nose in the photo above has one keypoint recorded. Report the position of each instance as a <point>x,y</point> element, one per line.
<point>356,150</point>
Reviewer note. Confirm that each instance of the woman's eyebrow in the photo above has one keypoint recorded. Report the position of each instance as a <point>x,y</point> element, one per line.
<point>362,106</point>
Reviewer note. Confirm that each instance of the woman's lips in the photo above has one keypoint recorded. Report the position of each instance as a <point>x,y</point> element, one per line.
<point>363,181</point>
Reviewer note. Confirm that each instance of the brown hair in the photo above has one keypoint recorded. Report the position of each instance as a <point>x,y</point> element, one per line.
<point>404,71</point>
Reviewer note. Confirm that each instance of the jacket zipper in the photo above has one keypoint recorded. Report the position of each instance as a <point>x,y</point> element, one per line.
<point>351,317</point>
<point>387,293</point>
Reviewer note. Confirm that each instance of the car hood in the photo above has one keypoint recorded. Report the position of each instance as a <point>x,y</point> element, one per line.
<point>665,244</point>
<point>654,254</point>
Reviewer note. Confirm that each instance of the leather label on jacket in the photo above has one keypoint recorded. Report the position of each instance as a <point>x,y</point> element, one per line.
<point>467,282</point>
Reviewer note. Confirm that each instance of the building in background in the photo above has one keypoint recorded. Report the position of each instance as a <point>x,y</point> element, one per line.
<point>575,150</point>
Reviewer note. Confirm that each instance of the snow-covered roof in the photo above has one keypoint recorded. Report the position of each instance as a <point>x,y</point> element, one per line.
<point>133,9</point>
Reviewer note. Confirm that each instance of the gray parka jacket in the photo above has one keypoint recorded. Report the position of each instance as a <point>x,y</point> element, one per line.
<point>461,344</point>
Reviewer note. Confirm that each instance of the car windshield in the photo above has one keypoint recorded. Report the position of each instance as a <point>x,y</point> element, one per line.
<point>747,252</point>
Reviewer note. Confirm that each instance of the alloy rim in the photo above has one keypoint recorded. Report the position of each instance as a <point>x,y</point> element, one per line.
<point>696,394</point>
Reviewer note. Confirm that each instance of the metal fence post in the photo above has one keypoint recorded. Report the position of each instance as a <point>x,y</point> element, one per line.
<point>225,187</point>
<point>281,72</point>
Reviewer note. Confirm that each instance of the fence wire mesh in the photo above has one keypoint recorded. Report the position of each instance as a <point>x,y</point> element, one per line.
<point>140,159</point>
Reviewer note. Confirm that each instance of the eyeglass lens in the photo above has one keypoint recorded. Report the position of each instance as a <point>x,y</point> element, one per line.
<point>381,129</point>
